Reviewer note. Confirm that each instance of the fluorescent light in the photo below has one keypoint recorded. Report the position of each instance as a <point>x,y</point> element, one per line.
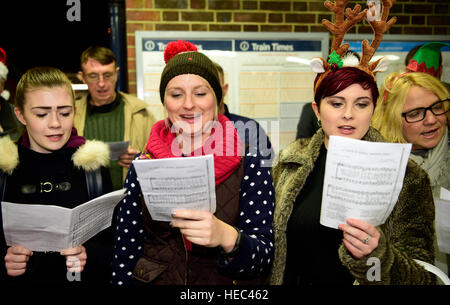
<point>389,57</point>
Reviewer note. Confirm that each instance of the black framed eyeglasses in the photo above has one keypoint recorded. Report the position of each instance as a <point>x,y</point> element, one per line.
<point>418,114</point>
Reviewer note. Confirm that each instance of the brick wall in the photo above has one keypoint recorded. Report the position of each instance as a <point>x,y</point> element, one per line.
<point>429,17</point>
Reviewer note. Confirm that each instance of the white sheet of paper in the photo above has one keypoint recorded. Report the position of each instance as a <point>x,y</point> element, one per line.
<point>445,194</point>
<point>54,228</point>
<point>362,180</point>
<point>442,222</point>
<point>117,148</point>
<point>177,183</point>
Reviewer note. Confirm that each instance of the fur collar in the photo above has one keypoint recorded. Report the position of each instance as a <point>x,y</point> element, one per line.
<point>9,155</point>
<point>89,157</point>
<point>92,155</point>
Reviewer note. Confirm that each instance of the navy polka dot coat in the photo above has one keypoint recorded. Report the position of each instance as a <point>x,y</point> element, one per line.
<point>255,223</point>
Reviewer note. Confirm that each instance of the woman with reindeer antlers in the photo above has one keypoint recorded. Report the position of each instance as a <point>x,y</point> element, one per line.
<point>307,253</point>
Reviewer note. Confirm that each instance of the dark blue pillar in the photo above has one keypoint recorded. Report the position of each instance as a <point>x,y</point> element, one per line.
<point>118,40</point>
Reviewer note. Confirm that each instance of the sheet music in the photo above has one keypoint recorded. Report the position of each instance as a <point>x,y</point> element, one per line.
<point>442,223</point>
<point>362,180</point>
<point>177,183</point>
<point>54,228</point>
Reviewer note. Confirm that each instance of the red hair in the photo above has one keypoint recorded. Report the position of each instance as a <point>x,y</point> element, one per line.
<point>342,78</point>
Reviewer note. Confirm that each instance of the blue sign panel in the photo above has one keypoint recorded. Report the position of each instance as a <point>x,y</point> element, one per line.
<point>277,45</point>
<point>394,46</point>
<point>158,45</point>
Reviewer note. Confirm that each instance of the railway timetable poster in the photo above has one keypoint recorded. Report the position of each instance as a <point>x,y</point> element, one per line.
<point>268,74</point>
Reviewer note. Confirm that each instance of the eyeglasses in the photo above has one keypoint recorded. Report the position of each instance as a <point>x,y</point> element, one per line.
<point>94,77</point>
<point>418,114</point>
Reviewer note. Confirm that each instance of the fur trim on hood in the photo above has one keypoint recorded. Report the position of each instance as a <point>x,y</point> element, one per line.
<point>90,156</point>
<point>5,94</point>
<point>9,155</point>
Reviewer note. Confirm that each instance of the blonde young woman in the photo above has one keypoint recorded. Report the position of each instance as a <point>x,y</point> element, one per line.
<point>49,165</point>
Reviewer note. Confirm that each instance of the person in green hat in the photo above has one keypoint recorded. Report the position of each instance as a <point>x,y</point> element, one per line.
<point>427,58</point>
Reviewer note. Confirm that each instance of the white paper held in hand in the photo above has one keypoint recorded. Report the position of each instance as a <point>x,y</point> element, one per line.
<point>362,180</point>
<point>116,149</point>
<point>177,183</point>
<point>53,228</point>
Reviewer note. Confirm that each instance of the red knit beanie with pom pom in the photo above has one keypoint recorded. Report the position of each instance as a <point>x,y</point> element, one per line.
<point>182,57</point>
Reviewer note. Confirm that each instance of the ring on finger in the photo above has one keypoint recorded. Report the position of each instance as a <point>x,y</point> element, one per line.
<point>366,240</point>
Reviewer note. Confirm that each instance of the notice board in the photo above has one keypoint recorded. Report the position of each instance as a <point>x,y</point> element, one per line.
<point>268,74</point>
<point>395,48</point>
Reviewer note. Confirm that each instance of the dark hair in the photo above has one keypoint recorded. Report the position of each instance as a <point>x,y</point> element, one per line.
<point>342,78</point>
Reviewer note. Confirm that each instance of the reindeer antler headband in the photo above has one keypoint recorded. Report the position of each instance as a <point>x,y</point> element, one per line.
<point>378,22</point>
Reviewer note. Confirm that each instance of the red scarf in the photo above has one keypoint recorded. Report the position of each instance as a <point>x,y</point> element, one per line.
<point>227,156</point>
<point>163,144</point>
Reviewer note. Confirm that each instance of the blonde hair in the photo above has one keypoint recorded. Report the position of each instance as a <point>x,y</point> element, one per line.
<point>387,117</point>
<point>40,77</point>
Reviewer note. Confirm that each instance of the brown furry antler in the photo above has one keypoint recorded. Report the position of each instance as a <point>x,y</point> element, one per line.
<point>344,20</point>
<point>341,25</point>
<point>379,28</point>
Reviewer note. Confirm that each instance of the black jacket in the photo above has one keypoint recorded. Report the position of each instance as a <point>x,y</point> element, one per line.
<point>54,179</point>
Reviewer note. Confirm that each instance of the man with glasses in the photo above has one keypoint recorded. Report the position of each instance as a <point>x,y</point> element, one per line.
<point>109,115</point>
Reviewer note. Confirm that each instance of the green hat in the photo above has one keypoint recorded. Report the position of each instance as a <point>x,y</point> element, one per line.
<point>182,57</point>
<point>426,58</point>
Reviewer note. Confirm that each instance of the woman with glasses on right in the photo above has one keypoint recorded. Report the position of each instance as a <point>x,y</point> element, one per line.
<point>412,108</point>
